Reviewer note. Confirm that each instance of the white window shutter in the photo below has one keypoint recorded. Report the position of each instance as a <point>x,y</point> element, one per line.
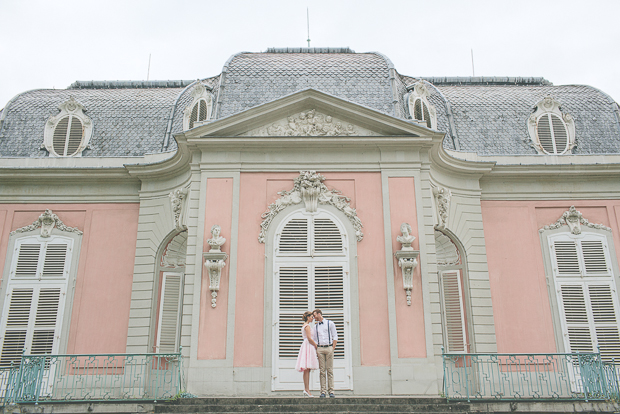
<point>16,326</point>
<point>294,237</point>
<point>604,305</point>
<point>595,257</point>
<point>574,306</point>
<point>327,237</point>
<point>454,315</point>
<point>27,260</point>
<point>55,261</point>
<point>565,258</point>
<point>329,297</point>
<point>45,322</point>
<point>169,312</point>
<point>293,301</point>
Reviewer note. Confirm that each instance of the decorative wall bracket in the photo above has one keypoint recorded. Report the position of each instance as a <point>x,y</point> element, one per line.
<point>215,261</point>
<point>573,219</point>
<point>407,258</point>
<point>309,187</point>
<point>177,199</point>
<point>47,221</point>
<point>442,205</point>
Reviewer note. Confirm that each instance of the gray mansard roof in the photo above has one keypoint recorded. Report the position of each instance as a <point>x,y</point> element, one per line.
<point>487,116</point>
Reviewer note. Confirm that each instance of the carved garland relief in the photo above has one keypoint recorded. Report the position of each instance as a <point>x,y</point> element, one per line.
<point>309,188</point>
<point>47,221</point>
<point>573,219</point>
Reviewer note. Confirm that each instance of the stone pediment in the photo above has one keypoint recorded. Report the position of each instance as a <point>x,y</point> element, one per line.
<point>310,123</point>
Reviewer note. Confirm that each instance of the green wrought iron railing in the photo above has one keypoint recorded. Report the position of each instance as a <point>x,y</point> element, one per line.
<point>572,376</point>
<point>100,377</point>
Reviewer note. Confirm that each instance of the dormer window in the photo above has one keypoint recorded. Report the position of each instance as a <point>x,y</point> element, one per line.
<point>420,109</point>
<point>198,111</point>
<point>68,133</point>
<point>551,131</point>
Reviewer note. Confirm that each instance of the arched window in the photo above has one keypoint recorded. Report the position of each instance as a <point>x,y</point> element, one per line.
<point>551,131</point>
<point>311,270</point>
<point>454,301</point>
<point>419,107</point>
<point>68,133</point>
<point>199,109</point>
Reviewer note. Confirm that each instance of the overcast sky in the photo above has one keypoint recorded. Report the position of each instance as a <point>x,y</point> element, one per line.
<point>50,44</point>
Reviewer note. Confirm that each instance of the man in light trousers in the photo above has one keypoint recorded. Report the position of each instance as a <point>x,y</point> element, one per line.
<point>326,337</point>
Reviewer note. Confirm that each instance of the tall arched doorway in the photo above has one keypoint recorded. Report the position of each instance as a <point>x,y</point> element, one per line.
<point>311,270</point>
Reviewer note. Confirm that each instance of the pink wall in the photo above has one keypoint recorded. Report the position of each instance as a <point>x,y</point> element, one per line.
<point>212,329</point>
<point>409,319</point>
<point>102,297</point>
<point>518,284</point>
<point>257,191</point>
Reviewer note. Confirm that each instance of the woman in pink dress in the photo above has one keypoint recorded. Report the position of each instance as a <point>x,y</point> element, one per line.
<point>307,359</point>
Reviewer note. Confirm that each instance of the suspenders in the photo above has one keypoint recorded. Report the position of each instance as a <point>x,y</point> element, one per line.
<point>329,333</point>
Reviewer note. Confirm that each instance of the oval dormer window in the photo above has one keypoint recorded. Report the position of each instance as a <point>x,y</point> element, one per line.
<point>68,136</point>
<point>552,134</point>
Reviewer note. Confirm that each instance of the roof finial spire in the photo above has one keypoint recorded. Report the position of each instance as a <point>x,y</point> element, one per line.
<point>308,21</point>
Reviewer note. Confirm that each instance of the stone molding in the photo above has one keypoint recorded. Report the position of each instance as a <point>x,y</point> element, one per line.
<point>178,199</point>
<point>309,123</point>
<point>545,106</point>
<point>574,219</point>
<point>47,221</point>
<point>309,188</point>
<point>200,92</point>
<point>70,107</point>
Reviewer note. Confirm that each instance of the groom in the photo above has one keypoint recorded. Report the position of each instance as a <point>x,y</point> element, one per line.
<point>326,337</point>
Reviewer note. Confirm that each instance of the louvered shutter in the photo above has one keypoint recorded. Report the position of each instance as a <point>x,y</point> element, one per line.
<point>169,312</point>
<point>294,237</point>
<point>68,136</point>
<point>427,115</point>
<point>327,237</point>
<point>552,134</point>
<point>36,292</point>
<point>293,301</point>
<point>193,116</point>
<point>454,311</point>
<point>76,133</point>
<point>329,297</point>
<point>60,135</point>
<point>202,112</point>
<point>417,110</point>
<point>586,294</point>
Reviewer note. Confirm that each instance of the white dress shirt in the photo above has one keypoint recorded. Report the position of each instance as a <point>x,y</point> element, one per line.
<point>321,334</point>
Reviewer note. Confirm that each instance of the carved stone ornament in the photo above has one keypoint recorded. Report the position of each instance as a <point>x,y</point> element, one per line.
<point>200,92</point>
<point>573,219</point>
<point>69,108</point>
<point>309,187</point>
<point>215,261</point>
<point>420,92</point>
<point>406,238</point>
<point>407,261</point>
<point>549,105</point>
<point>175,254</point>
<point>47,221</point>
<point>311,124</point>
<point>177,199</point>
<point>442,205</point>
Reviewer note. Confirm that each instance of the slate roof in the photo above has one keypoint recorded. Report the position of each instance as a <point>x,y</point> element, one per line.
<point>485,115</point>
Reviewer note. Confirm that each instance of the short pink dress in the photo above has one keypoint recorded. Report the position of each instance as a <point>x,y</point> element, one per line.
<point>307,358</point>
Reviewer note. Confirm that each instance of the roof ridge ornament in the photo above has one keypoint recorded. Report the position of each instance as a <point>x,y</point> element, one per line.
<point>47,221</point>
<point>309,187</point>
<point>573,219</point>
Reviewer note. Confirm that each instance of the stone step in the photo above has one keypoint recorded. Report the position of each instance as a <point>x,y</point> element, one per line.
<point>316,407</point>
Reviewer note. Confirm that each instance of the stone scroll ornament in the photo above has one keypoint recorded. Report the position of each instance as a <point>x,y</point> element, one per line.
<point>407,258</point>
<point>309,188</point>
<point>573,219</point>
<point>47,221</point>
<point>215,260</point>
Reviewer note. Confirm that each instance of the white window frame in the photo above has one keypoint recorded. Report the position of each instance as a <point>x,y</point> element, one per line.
<point>547,107</point>
<point>201,92</point>
<point>74,110</point>
<point>420,93</point>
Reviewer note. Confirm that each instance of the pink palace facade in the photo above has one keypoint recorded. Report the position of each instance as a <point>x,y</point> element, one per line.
<point>310,161</point>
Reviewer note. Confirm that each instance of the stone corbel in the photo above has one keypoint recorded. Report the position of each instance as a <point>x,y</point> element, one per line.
<point>407,258</point>
<point>215,260</point>
<point>442,205</point>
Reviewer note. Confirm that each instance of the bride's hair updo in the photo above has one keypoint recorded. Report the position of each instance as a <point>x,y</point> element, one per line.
<point>306,315</point>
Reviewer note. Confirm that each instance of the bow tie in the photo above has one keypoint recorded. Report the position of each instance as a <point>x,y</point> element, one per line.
<point>320,323</point>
